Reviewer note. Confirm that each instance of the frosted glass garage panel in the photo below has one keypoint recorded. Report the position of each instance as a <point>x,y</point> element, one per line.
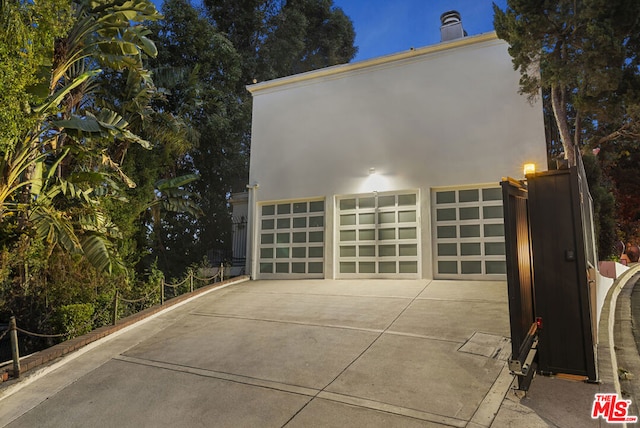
<point>367,202</point>
<point>387,217</point>
<point>448,249</point>
<point>268,210</point>
<point>291,240</point>
<point>468,233</point>
<point>468,195</point>
<point>408,266</point>
<point>378,235</point>
<point>408,250</point>
<point>366,218</point>
<point>347,251</point>
<point>348,204</point>
<point>347,219</point>
<point>387,250</point>
<point>448,197</point>
<point>407,216</point>
<point>367,250</point>
<point>300,207</point>
<point>347,235</point>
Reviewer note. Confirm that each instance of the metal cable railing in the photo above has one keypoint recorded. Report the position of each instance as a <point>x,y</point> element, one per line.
<point>13,329</point>
<point>48,336</point>
<point>190,278</point>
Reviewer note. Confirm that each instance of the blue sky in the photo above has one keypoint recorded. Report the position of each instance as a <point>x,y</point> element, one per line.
<point>389,26</point>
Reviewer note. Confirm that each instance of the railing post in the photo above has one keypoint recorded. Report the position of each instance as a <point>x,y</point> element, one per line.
<point>162,291</point>
<point>115,308</point>
<point>191,280</point>
<point>15,353</point>
<point>221,272</point>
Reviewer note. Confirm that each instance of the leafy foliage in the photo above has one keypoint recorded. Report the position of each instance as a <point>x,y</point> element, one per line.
<point>61,166</point>
<point>27,34</point>
<point>585,53</point>
<point>215,53</point>
<point>583,57</point>
<point>307,35</point>
<point>603,207</point>
<point>74,318</point>
<point>118,154</point>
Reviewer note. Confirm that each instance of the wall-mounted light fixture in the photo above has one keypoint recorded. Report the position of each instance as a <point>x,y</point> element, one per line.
<point>529,168</point>
<point>375,181</point>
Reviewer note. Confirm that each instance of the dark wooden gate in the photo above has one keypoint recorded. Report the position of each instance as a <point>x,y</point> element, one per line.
<point>551,262</point>
<point>519,279</point>
<point>563,254</point>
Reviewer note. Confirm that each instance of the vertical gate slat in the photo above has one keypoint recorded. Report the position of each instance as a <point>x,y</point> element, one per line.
<point>519,266</point>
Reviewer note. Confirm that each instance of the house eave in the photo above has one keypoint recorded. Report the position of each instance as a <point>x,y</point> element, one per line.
<point>350,67</point>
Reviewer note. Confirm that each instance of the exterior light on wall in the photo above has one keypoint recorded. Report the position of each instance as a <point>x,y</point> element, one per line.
<point>375,181</point>
<point>529,168</point>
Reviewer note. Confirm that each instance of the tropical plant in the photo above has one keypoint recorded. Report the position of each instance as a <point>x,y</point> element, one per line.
<point>55,172</point>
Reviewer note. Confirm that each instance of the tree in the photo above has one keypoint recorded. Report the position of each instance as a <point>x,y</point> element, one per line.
<point>583,58</point>
<point>622,164</point>
<point>585,54</point>
<point>54,172</point>
<point>222,49</point>
<point>307,35</point>
<point>601,192</point>
<point>27,34</point>
<point>198,70</point>
<point>274,38</point>
<point>85,101</point>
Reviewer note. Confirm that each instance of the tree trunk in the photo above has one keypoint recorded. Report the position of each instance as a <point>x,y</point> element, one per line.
<point>560,114</point>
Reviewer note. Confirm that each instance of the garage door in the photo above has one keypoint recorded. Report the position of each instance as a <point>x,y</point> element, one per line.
<point>292,240</point>
<point>377,236</point>
<point>468,233</point>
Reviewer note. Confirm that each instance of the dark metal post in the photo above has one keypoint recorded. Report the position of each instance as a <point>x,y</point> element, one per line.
<point>162,291</point>
<point>115,308</point>
<point>15,353</point>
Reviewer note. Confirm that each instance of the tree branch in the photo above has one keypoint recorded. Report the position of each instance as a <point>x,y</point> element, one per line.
<point>560,114</point>
<point>622,132</point>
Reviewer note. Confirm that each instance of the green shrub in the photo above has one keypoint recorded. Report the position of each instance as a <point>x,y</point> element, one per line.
<point>75,318</point>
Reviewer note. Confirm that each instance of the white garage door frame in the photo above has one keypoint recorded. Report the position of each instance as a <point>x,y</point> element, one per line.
<point>468,232</point>
<point>291,239</point>
<point>377,235</point>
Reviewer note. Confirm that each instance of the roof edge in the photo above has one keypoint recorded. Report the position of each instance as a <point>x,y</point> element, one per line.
<point>343,68</point>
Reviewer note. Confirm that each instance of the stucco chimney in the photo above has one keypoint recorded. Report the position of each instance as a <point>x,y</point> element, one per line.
<point>451,28</point>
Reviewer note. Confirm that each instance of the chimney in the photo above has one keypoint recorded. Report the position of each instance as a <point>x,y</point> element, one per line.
<point>451,28</point>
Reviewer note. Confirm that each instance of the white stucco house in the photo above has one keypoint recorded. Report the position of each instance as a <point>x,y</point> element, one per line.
<point>389,167</point>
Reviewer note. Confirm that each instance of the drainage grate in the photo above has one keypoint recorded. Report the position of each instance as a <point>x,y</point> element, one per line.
<point>488,345</point>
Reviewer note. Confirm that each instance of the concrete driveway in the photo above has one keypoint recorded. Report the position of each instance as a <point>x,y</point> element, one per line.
<point>295,354</point>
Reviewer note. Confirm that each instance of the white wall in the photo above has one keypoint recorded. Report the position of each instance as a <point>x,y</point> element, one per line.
<point>447,118</point>
<point>436,116</point>
<point>239,204</point>
<point>604,284</point>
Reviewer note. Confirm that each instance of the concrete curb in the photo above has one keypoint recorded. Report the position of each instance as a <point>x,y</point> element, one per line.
<point>69,350</point>
<point>490,406</point>
<point>627,357</point>
<point>607,359</point>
